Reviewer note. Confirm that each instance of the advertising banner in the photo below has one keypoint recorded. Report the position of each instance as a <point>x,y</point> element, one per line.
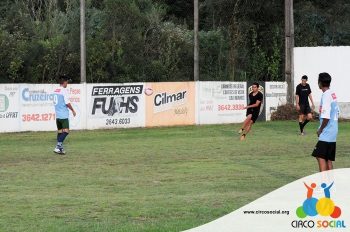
<point>77,97</point>
<point>170,103</point>
<point>9,108</point>
<point>221,102</point>
<point>276,95</point>
<point>30,107</point>
<point>115,105</point>
<point>37,107</point>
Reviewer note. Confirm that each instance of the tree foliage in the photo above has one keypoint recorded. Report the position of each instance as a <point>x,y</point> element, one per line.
<point>152,40</point>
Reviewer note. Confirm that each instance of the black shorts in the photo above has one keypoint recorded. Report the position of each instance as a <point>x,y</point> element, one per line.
<point>62,123</point>
<point>304,109</point>
<point>325,150</point>
<point>254,113</point>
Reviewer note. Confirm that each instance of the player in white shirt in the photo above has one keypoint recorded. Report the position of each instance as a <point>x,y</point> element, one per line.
<point>327,132</point>
<point>62,104</point>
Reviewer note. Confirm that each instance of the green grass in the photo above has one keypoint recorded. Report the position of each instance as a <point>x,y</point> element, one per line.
<point>161,179</point>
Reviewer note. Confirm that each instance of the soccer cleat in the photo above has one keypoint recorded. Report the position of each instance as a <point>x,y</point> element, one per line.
<point>59,151</point>
<point>63,152</point>
<point>302,133</point>
<point>240,131</point>
<point>242,137</point>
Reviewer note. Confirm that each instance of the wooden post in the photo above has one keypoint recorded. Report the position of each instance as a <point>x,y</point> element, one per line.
<point>82,43</point>
<point>196,41</point>
<point>289,47</point>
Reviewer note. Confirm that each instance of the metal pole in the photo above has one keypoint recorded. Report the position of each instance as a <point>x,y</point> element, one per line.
<point>196,41</point>
<point>82,43</point>
<point>289,47</point>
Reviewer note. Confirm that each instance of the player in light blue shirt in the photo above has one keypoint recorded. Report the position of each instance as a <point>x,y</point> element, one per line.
<point>327,132</point>
<point>62,104</point>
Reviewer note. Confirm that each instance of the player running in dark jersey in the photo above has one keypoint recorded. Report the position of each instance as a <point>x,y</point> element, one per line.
<point>253,110</point>
<point>302,95</point>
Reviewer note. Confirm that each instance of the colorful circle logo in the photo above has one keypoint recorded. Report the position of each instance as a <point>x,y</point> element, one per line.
<point>323,206</point>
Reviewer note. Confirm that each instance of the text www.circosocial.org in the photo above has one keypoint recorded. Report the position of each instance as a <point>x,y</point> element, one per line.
<point>285,212</point>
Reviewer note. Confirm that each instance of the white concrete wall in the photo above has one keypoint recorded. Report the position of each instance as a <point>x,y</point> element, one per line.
<point>311,61</point>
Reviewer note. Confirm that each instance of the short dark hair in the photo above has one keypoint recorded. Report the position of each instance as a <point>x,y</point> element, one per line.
<point>324,79</point>
<point>304,77</point>
<point>62,79</point>
<point>256,83</point>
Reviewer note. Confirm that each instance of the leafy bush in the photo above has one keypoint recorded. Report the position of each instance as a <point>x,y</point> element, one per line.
<point>285,112</point>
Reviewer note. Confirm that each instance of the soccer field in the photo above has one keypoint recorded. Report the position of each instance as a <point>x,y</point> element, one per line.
<point>160,179</point>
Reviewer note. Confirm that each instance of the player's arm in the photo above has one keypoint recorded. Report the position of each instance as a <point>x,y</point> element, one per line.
<point>297,102</point>
<point>311,99</point>
<point>68,104</point>
<point>323,125</point>
<point>325,114</point>
<point>297,98</point>
<point>254,105</point>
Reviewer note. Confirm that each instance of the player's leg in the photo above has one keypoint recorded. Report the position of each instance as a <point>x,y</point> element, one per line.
<point>64,134</point>
<point>322,164</point>
<point>253,117</point>
<point>59,133</point>
<point>329,165</point>
<point>332,146</point>
<point>307,118</point>
<point>245,123</point>
<point>321,153</point>
<point>301,122</point>
<point>247,129</point>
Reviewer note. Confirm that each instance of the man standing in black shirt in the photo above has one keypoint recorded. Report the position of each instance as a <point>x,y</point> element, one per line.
<point>302,95</point>
<point>253,110</point>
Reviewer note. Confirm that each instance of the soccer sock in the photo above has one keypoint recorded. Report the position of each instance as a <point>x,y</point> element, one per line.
<point>306,122</point>
<point>58,136</point>
<point>59,144</point>
<point>62,137</point>
<point>301,127</point>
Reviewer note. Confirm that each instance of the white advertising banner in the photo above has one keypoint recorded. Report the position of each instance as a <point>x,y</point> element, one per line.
<point>30,107</point>
<point>77,97</point>
<point>9,108</point>
<point>37,107</point>
<point>275,95</point>
<point>221,102</point>
<point>115,105</point>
